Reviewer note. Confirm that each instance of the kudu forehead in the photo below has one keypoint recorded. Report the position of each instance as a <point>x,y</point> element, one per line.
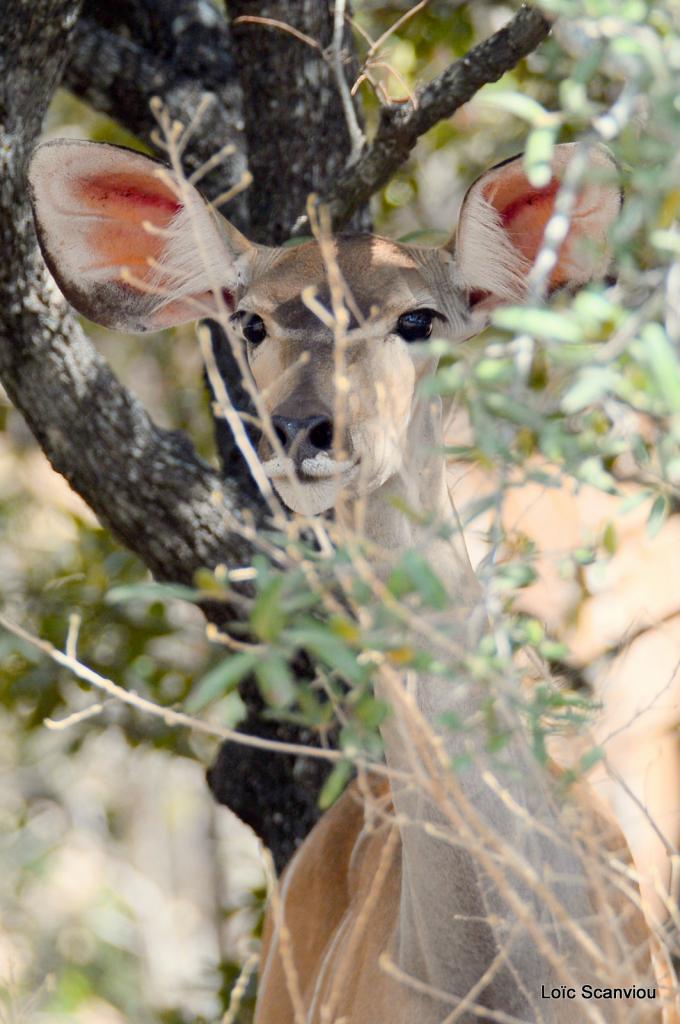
<point>377,272</point>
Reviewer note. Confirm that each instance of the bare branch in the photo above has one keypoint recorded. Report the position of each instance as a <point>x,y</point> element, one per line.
<point>401,125</point>
<point>395,26</point>
<point>282,26</point>
<point>171,717</point>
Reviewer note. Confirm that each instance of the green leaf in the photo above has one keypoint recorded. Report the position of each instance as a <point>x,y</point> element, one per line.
<point>591,471</point>
<point>512,410</point>
<point>335,784</point>
<point>590,387</point>
<point>633,501</point>
<point>663,362</point>
<point>275,680</point>
<point>357,742</point>
<point>610,540</point>
<point>534,632</point>
<point>320,642</point>
<point>515,575</point>
<point>211,582</point>
<point>584,556</point>
<point>585,763</point>
<point>658,515</point>
<point>553,651</point>
<point>268,616</point>
<point>424,580</point>
<point>151,592</point>
<point>590,759</point>
<point>494,371</point>
<point>541,323</point>
<point>220,680</point>
<point>371,712</point>
<point>667,240</point>
<point>447,381</point>
<point>520,105</point>
<point>230,711</point>
<point>538,155</point>
<point>314,712</point>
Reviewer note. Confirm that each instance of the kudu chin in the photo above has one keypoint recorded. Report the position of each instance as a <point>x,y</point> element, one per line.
<point>462,895</point>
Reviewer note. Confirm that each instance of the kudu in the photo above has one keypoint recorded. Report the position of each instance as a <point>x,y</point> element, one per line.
<point>436,895</point>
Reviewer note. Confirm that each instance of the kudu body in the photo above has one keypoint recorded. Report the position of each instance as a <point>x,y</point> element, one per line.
<point>437,896</point>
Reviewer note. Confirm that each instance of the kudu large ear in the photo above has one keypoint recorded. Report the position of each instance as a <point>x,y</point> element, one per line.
<point>131,247</point>
<point>503,218</point>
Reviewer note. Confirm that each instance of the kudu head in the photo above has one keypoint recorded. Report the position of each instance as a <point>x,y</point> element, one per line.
<point>136,249</point>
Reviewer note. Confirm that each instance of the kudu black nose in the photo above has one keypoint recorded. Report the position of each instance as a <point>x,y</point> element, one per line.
<point>303,439</point>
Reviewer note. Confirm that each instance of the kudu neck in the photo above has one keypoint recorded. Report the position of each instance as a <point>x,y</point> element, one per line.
<point>412,509</point>
<point>450,897</point>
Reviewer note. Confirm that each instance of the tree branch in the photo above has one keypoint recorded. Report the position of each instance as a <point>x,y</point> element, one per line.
<point>401,125</point>
<point>170,717</point>
<point>147,484</point>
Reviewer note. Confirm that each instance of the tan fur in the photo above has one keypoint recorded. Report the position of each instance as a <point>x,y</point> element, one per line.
<point>326,890</point>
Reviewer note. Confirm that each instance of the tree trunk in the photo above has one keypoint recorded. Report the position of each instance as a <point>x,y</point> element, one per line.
<point>296,130</point>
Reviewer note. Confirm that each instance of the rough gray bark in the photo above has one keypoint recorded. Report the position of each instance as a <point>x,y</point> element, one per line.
<point>297,134</point>
<point>146,484</point>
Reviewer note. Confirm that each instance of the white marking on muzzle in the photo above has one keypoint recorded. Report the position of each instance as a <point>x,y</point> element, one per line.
<point>277,468</point>
<point>321,467</point>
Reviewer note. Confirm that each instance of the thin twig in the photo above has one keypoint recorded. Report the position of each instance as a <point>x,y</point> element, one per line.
<point>239,989</point>
<point>282,26</point>
<point>356,136</point>
<point>224,407</point>
<point>375,46</point>
<point>60,724</point>
<point>168,715</point>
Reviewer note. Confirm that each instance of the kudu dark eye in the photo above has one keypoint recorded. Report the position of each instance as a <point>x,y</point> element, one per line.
<point>254,330</point>
<point>416,325</point>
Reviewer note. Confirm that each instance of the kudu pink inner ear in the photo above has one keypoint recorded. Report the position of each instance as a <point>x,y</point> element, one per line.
<point>127,194</point>
<point>119,205</point>
<point>128,215</point>
<point>524,211</point>
<point>503,222</point>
